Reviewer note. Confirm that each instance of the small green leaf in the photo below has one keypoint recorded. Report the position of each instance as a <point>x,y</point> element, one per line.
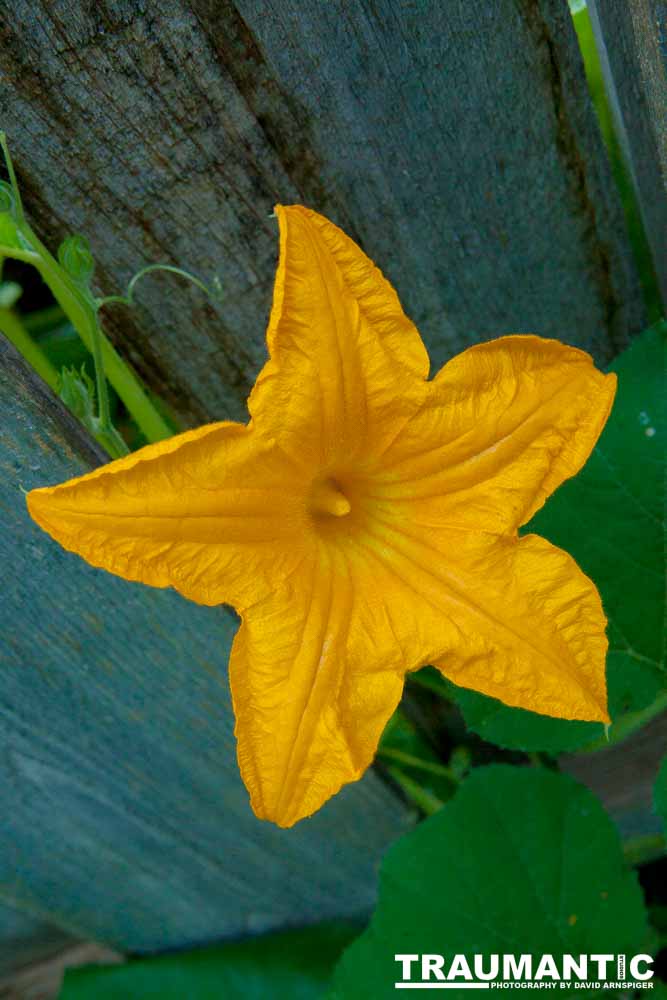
<point>522,861</point>
<point>76,258</point>
<point>294,965</point>
<point>611,519</point>
<point>77,391</point>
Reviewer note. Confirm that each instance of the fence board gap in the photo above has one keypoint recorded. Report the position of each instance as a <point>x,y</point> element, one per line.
<point>632,41</point>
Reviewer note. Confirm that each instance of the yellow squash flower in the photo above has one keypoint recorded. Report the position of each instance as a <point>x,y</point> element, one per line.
<point>363,523</point>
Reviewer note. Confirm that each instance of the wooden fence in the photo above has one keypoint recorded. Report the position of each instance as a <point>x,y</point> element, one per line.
<point>457,143</point>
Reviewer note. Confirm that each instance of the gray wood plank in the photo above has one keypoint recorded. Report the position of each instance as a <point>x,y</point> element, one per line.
<point>26,939</point>
<point>632,40</point>
<point>125,819</point>
<point>42,978</point>
<point>455,141</point>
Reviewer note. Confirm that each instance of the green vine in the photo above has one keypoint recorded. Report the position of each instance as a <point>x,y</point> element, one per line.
<point>69,279</point>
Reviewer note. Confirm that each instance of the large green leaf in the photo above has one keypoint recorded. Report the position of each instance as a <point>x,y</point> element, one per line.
<point>294,965</point>
<point>521,860</point>
<point>611,519</point>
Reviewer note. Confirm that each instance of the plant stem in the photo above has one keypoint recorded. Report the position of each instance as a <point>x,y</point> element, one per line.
<point>27,256</point>
<point>13,329</point>
<point>12,177</point>
<point>82,311</point>
<point>100,378</point>
<point>422,798</point>
<point>108,364</point>
<point>82,317</point>
<point>416,762</point>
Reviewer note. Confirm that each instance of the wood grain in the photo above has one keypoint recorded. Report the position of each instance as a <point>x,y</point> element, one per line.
<point>455,141</point>
<point>632,39</point>
<point>125,818</point>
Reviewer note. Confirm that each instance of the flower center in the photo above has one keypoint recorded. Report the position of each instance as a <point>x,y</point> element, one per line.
<point>328,499</point>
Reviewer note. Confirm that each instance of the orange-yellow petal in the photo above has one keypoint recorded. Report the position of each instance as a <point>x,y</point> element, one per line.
<point>506,423</point>
<point>218,513</point>
<point>363,523</point>
<point>515,619</point>
<point>556,664</point>
<point>311,693</point>
<point>346,365</point>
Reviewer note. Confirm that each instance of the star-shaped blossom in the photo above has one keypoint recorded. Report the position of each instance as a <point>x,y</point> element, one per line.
<point>363,523</point>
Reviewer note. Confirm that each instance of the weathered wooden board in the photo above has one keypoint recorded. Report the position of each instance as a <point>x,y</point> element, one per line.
<point>632,39</point>
<point>124,818</point>
<point>454,140</point>
<point>25,939</point>
<point>42,978</point>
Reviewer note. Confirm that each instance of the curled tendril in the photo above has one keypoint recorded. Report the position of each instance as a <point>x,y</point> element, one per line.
<point>7,200</point>
<point>75,258</point>
<point>215,294</point>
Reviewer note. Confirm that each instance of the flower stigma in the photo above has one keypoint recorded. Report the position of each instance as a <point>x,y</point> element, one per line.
<point>328,500</point>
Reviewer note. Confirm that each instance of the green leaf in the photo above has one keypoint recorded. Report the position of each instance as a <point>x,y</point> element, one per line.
<point>611,519</point>
<point>294,965</point>
<point>77,391</point>
<point>521,860</point>
<point>76,258</point>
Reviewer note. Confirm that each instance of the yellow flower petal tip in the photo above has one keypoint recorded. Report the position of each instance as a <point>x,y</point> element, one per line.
<point>364,523</point>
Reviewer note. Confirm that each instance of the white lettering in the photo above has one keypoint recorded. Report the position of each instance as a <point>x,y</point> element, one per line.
<point>634,967</point>
<point>406,961</point>
<point>602,963</point>
<point>459,967</point>
<point>479,967</point>
<point>517,970</point>
<point>547,967</point>
<point>432,966</point>
<point>570,965</point>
